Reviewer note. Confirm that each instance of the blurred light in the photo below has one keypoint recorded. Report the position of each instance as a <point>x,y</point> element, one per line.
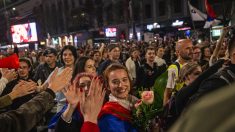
<point>183,29</point>
<point>199,41</point>
<point>138,36</point>
<point>131,36</point>
<point>13,8</point>
<point>150,27</point>
<point>42,43</point>
<point>83,14</point>
<point>177,23</point>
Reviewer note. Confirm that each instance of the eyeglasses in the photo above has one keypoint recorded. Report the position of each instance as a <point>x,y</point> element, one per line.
<point>84,85</point>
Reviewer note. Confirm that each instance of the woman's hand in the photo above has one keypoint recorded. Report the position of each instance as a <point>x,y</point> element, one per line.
<point>58,82</point>
<point>91,104</point>
<point>72,95</point>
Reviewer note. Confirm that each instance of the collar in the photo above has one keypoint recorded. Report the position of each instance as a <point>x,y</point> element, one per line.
<point>128,104</point>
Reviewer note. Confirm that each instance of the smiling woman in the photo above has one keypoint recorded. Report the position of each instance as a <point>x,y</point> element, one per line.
<point>115,116</point>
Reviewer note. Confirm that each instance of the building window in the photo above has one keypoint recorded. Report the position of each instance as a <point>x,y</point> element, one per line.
<point>177,6</point>
<point>148,12</point>
<point>162,8</point>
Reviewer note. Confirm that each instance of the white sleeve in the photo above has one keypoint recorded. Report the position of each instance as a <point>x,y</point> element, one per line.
<point>3,83</point>
<point>171,78</point>
<point>128,68</point>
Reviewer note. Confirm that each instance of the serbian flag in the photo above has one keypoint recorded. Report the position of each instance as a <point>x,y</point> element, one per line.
<point>29,32</point>
<point>211,16</point>
<point>211,22</point>
<point>209,9</point>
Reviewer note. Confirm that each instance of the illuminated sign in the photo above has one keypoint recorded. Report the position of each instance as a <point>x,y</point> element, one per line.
<point>111,32</point>
<point>24,33</point>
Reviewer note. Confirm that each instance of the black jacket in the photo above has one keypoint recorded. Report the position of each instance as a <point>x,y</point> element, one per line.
<point>147,75</point>
<point>183,95</point>
<point>214,82</point>
<point>42,72</point>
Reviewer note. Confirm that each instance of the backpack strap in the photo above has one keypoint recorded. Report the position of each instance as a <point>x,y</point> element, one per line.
<point>228,76</point>
<point>178,66</point>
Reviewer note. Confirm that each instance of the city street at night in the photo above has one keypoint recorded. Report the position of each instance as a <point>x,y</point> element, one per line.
<point>117,65</point>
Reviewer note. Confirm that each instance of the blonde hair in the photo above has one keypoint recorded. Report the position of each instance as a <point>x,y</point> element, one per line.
<point>186,70</point>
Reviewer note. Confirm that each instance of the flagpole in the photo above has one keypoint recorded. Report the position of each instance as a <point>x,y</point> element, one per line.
<point>191,17</point>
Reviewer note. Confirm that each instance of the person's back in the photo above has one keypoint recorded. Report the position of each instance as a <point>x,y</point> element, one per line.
<point>224,77</point>
<point>216,107</point>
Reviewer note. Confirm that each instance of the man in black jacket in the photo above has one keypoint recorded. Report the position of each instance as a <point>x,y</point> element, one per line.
<point>43,71</point>
<point>149,71</point>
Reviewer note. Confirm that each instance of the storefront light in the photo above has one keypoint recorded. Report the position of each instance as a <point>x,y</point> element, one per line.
<point>60,41</point>
<point>131,36</point>
<point>177,23</point>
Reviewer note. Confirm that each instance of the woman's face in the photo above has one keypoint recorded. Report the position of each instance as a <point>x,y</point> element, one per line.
<point>207,52</point>
<point>135,54</point>
<point>68,58</point>
<point>84,83</point>
<point>90,66</point>
<point>192,76</point>
<point>119,83</point>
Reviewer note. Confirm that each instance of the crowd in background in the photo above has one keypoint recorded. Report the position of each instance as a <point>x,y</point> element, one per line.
<point>81,79</point>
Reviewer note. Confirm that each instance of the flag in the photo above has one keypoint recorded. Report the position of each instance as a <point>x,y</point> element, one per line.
<point>196,14</point>
<point>210,10</point>
<point>29,32</point>
<point>211,22</point>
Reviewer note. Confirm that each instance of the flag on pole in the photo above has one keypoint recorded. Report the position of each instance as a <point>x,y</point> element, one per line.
<point>210,10</point>
<point>211,16</point>
<point>196,14</point>
<point>211,22</point>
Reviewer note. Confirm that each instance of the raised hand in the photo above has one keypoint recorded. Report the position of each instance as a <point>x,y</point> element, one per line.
<point>72,95</point>
<point>9,74</point>
<point>60,81</point>
<point>23,88</point>
<point>91,104</point>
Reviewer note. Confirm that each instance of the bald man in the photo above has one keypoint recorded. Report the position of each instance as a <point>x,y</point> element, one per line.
<point>184,51</point>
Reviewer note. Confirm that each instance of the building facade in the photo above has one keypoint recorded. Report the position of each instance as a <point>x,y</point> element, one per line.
<point>66,17</point>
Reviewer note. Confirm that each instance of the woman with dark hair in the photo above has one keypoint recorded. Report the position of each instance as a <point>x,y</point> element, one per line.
<point>84,64</point>
<point>68,58</point>
<point>206,54</point>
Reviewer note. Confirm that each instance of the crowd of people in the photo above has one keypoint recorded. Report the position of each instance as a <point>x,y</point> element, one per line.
<point>96,88</point>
